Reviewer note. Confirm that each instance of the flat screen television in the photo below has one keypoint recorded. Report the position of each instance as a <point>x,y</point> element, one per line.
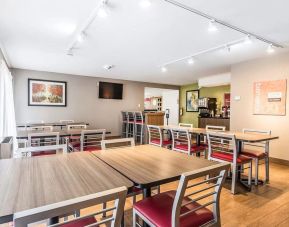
<point>110,90</point>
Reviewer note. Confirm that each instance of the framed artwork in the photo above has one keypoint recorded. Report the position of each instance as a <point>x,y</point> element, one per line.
<point>270,97</point>
<point>192,101</point>
<point>46,93</point>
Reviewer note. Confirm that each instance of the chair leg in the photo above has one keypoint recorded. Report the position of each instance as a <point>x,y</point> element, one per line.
<point>141,134</point>
<point>234,180</point>
<point>267,169</point>
<point>133,199</point>
<point>256,171</point>
<point>104,207</point>
<point>250,174</point>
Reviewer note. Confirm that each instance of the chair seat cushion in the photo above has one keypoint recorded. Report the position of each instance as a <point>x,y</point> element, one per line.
<point>42,153</point>
<point>158,141</point>
<point>80,223</point>
<point>89,148</point>
<point>158,209</point>
<point>74,137</point>
<point>254,153</point>
<point>194,148</point>
<point>229,157</point>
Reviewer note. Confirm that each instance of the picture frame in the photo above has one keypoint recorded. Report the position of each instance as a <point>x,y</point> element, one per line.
<point>47,93</point>
<point>192,97</point>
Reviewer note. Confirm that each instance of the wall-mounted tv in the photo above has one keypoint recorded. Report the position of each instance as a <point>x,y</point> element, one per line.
<point>110,90</point>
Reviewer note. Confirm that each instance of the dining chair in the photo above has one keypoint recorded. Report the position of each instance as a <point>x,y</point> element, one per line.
<point>223,148</point>
<point>41,139</point>
<point>131,124</point>
<point>116,143</point>
<point>72,128</point>
<point>117,196</point>
<point>182,142</point>
<point>40,128</point>
<point>124,123</point>
<point>189,204</point>
<point>212,128</point>
<point>139,126</point>
<point>66,121</point>
<point>156,137</point>
<point>90,140</point>
<point>258,152</point>
<point>186,125</point>
<point>42,150</point>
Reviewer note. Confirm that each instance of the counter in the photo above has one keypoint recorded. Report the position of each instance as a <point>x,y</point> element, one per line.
<point>217,121</point>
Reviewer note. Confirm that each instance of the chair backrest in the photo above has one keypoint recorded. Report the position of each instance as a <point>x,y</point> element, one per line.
<point>29,151</point>
<point>181,140</point>
<point>114,143</point>
<point>186,125</point>
<point>66,121</point>
<point>138,117</point>
<point>202,194</point>
<point>130,116</point>
<point>222,142</point>
<point>40,128</point>
<point>74,127</point>
<point>43,139</point>
<point>261,145</point>
<point>124,116</point>
<point>118,195</point>
<point>91,139</point>
<point>155,135</point>
<point>215,128</point>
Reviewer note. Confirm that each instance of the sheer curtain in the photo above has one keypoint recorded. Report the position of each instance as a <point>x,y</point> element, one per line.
<point>7,112</point>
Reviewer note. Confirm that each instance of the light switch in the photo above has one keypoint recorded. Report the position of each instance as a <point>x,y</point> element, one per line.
<point>237,98</point>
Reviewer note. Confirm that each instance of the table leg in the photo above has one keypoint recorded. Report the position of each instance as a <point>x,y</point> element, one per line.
<point>244,182</point>
<point>146,193</point>
<point>198,141</point>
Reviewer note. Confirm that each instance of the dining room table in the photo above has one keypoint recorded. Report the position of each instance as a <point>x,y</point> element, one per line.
<point>149,166</point>
<point>27,183</point>
<point>54,124</point>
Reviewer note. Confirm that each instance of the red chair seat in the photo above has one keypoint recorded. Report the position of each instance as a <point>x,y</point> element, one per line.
<point>158,141</point>
<point>74,137</point>
<point>42,153</point>
<point>81,222</point>
<point>139,122</point>
<point>254,153</point>
<point>229,157</point>
<point>194,148</point>
<point>158,210</point>
<point>89,149</point>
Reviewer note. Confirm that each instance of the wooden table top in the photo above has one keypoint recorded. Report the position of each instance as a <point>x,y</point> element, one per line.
<point>50,124</point>
<point>244,137</point>
<point>23,134</point>
<point>148,165</point>
<point>33,182</point>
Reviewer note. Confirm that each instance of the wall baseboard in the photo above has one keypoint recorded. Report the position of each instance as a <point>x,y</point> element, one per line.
<point>279,161</point>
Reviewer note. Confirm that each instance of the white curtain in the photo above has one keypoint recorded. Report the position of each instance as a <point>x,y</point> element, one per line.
<point>7,112</point>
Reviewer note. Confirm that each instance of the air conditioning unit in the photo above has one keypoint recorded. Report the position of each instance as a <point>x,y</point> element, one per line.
<point>6,147</point>
<point>215,80</point>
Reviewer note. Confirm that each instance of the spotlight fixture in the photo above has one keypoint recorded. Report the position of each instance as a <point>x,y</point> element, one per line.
<point>270,49</point>
<point>145,3</point>
<point>212,26</point>
<point>248,39</point>
<point>191,61</point>
<point>228,48</point>
<point>164,69</point>
<point>102,10</point>
<point>80,37</point>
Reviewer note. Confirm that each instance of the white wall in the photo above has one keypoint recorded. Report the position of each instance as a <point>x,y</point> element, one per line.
<point>171,101</point>
<point>82,100</point>
<point>243,77</point>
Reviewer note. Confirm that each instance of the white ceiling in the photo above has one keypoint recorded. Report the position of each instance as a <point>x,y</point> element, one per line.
<point>37,33</point>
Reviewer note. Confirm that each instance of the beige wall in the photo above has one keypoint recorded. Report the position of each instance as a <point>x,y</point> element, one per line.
<point>82,100</point>
<point>243,77</point>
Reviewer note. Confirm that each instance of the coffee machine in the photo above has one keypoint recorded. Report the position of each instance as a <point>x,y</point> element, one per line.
<point>207,107</point>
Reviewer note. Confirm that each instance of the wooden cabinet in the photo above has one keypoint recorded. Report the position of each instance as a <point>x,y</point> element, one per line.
<point>203,122</point>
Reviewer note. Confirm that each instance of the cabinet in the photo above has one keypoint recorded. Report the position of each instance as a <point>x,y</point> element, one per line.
<point>203,122</point>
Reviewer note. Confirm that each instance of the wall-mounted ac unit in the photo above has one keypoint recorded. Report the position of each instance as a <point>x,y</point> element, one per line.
<point>215,80</point>
<point>6,147</point>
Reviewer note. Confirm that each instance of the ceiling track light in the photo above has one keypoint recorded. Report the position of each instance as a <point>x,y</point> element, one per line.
<point>101,10</point>
<point>212,26</point>
<point>270,49</point>
<point>191,61</point>
<point>164,69</point>
<point>220,22</point>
